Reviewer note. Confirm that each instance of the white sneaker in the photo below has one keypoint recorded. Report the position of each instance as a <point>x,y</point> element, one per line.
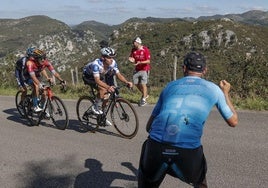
<point>143,102</point>
<point>47,113</point>
<point>108,123</point>
<point>96,110</point>
<point>37,109</point>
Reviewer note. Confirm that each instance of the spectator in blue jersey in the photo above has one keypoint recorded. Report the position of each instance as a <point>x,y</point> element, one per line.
<point>100,75</point>
<point>20,70</point>
<point>176,125</point>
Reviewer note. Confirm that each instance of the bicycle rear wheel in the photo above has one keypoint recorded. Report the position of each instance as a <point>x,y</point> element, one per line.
<point>86,117</point>
<point>58,113</point>
<point>124,118</point>
<point>31,116</point>
<point>19,103</point>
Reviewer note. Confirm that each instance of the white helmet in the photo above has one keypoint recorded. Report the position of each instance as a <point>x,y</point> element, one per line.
<point>108,52</point>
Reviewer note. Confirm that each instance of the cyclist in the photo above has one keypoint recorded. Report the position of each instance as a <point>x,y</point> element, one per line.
<point>35,67</point>
<point>19,71</point>
<point>100,75</point>
<point>176,126</point>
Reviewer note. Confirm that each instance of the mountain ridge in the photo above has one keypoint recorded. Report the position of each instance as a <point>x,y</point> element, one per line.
<point>236,51</point>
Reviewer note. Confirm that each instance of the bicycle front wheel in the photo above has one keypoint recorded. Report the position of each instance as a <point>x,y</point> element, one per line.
<point>124,118</point>
<point>58,113</point>
<point>86,117</point>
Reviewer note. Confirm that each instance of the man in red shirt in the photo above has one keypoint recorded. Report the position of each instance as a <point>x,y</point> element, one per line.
<point>140,57</point>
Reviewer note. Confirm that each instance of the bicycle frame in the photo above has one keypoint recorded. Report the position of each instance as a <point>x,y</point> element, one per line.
<point>52,108</point>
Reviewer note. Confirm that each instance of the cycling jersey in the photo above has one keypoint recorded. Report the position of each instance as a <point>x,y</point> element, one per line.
<point>36,68</point>
<point>141,54</point>
<point>19,71</point>
<point>182,109</point>
<point>96,69</point>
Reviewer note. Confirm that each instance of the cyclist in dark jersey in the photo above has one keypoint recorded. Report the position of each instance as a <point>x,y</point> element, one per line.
<point>176,126</point>
<point>35,67</point>
<point>20,70</point>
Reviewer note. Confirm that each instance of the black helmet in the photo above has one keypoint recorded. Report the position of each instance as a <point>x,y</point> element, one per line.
<point>195,61</point>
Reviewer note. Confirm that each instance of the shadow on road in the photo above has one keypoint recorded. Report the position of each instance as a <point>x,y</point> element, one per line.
<point>73,123</point>
<point>62,174</point>
<point>15,116</point>
<point>96,177</point>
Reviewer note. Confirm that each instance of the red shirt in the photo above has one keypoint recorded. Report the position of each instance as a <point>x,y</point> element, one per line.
<point>142,54</point>
<point>37,68</point>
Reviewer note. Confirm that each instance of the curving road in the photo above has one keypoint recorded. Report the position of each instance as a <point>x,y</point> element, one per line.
<point>41,157</point>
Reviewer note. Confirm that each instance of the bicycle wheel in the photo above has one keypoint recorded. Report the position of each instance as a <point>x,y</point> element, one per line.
<point>31,116</point>
<point>19,104</point>
<point>124,118</point>
<point>85,116</point>
<point>58,113</point>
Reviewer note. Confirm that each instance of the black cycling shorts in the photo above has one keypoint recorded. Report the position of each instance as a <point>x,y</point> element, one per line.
<point>89,80</point>
<point>158,159</point>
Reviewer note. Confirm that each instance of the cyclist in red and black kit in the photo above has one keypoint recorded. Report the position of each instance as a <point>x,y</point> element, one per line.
<point>140,56</point>
<point>35,67</point>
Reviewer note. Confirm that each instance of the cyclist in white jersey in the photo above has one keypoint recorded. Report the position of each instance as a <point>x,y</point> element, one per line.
<point>100,75</point>
<point>176,126</point>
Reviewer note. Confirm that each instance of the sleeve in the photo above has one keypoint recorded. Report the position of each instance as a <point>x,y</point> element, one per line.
<point>147,54</point>
<point>49,66</point>
<point>95,70</point>
<point>115,67</point>
<point>30,67</point>
<point>222,106</point>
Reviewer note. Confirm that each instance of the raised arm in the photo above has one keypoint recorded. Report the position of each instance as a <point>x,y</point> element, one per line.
<point>225,87</point>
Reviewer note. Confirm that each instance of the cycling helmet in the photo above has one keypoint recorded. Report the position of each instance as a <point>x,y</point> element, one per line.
<point>195,61</point>
<point>39,54</point>
<point>108,52</point>
<point>29,51</point>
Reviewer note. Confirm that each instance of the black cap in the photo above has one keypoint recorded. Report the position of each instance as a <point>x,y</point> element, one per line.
<point>195,61</point>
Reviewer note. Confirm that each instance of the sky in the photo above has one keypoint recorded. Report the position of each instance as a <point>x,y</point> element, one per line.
<point>113,12</point>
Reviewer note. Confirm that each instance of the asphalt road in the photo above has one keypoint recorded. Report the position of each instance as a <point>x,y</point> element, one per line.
<point>42,157</point>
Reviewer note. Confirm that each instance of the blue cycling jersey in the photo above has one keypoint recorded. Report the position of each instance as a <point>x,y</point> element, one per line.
<point>96,68</point>
<point>182,109</point>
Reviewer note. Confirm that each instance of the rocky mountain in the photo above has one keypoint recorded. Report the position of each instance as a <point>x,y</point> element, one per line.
<point>235,51</point>
<point>63,44</point>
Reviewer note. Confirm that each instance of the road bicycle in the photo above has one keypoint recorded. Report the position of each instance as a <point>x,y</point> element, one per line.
<point>122,113</point>
<point>52,106</point>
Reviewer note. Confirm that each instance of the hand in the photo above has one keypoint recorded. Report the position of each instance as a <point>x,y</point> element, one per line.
<point>41,86</point>
<point>131,59</point>
<point>63,82</point>
<point>225,86</point>
<point>129,84</point>
<point>50,80</point>
<point>63,85</point>
<point>111,89</point>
